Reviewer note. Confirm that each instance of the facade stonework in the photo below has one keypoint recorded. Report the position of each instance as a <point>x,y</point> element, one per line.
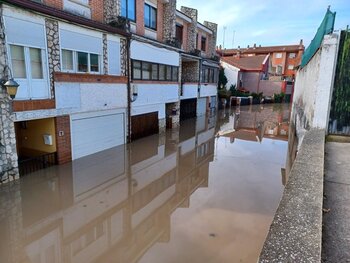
<point>123,57</point>
<point>105,54</point>
<point>53,50</point>
<point>112,10</point>
<point>162,125</point>
<point>190,71</point>
<point>169,20</point>
<point>192,28</point>
<point>212,41</point>
<point>8,151</point>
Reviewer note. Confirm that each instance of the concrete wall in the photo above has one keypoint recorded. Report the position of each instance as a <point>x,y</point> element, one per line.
<point>190,91</point>
<point>314,86</point>
<point>250,81</point>
<point>207,90</point>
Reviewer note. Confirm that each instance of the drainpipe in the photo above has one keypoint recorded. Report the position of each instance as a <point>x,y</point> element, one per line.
<point>128,41</point>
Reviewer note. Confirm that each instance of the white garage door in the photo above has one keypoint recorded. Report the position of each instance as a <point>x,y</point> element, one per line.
<point>92,134</point>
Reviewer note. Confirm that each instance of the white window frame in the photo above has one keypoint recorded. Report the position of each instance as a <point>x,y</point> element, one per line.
<point>292,55</point>
<point>278,55</point>
<point>75,62</point>
<point>28,68</point>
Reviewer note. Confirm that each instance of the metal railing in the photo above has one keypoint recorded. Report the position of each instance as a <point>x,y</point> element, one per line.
<point>33,164</point>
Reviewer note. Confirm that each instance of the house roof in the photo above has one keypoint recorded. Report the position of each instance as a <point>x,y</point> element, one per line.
<point>261,50</point>
<point>253,63</point>
<point>60,14</point>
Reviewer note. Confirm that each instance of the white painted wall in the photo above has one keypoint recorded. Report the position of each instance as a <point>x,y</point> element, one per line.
<point>205,136</point>
<point>90,97</point>
<point>208,90</point>
<point>189,91</point>
<point>314,85</point>
<point>152,97</point>
<point>150,53</point>
<point>231,73</point>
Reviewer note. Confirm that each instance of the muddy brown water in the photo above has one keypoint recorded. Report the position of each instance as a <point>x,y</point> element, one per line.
<point>206,192</point>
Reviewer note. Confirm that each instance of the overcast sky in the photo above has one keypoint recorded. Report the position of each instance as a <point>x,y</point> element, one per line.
<point>269,22</point>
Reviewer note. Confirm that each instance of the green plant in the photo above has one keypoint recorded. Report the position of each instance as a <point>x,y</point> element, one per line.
<point>278,98</point>
<point>222,78</point>
<point>257,95</point>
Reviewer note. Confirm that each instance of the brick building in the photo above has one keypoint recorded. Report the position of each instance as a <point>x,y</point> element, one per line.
<point>92,76</point>
<point>283,59</point>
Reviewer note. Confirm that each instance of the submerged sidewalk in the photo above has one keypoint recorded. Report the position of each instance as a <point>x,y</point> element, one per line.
<point>336,218</point>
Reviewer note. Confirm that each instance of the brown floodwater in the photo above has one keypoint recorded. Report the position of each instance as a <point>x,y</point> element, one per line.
<point>205,192</point>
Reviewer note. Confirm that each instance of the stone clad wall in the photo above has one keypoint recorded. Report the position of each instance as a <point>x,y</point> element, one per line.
<point>8,151</point>
<point>190,71</point>
<point>192,29</point>
<point>111,10</point>
<point>53,50</point>
<point>169,20</point>
<point>212,41</point>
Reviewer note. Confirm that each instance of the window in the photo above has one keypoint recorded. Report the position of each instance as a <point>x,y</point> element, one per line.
<point>146,70</point>
<point>76,61</point>
<point>94,63</point>
<point>209,75</point>
<point>203,43</point>
<point>154,71</point>
<point>179,33</point>
<point>36,63</point>
<point>18,62</point>
<point>161,72</point>
<point>136,69</point>
<point>278,55</point>
<point>292,55</point>
<point>291,67</point>
<point>83,62</point>
<point>129,9</point>
<point>150,17</point>
<point>279,70</point>
<point>67,60</point>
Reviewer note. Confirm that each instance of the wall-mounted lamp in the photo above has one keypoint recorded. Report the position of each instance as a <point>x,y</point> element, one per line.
<point>135,92</point>
<point>10,84</point>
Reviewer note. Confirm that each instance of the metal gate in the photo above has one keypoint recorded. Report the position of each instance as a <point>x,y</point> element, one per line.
<point>339,122</point>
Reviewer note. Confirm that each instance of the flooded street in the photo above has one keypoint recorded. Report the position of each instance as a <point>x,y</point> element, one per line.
<point>206,192</point>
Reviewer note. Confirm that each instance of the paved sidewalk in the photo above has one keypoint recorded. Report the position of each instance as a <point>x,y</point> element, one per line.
<point>336,218</point>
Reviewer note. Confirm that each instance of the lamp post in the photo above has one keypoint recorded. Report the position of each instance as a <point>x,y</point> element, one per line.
<point>10,84</point>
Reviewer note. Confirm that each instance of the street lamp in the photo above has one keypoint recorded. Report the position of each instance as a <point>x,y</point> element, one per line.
<point>10,85</point>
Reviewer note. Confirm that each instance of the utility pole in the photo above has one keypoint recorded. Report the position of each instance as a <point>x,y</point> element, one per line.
<point>233,39</point>
<point>223,41</point>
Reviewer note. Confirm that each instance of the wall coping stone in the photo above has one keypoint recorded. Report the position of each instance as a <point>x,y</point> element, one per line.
<point>295,234</point>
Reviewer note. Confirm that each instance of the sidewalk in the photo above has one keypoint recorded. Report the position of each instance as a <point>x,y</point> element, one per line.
<point>336,217</point>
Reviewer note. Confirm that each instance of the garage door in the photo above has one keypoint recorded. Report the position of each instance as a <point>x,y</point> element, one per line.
<point>92,134</point>
<point>144,125</point>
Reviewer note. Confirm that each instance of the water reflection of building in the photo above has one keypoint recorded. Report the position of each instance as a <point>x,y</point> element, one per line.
<point>113,205</point>
<point>256,122</point>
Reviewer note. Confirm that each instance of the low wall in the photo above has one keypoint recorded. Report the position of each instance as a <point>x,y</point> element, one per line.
<point>296,231</point>
<point>269,88</point>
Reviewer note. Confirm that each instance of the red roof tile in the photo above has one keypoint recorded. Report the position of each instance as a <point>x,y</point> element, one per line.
<point>253,63</point>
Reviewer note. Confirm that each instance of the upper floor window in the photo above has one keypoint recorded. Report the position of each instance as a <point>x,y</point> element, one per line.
<point>209,75</point>
<point>142,70</point>
<point>82,62</point>
<point>129,9</point>
<point>278,55</point>
<point>150,17</point>
<point>292,55</point>
<point>279,70</point>
<point>291,67</point>
<point>203,43</point>
<point>26,62</point>
<point>179,33</point>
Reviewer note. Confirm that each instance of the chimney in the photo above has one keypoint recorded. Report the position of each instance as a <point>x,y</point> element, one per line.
<point>248,46</point>
<point>259,45</point>
<point>254,46</point>
<point>301,42</point>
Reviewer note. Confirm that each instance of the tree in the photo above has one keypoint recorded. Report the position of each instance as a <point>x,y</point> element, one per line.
<point>222,78</point>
